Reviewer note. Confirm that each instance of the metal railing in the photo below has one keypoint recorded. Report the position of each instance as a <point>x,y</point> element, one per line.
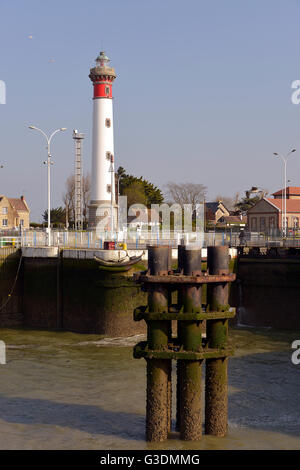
<point>137,240</point>
<point>10,241</point>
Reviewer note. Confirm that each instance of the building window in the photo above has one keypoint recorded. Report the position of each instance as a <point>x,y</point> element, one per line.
<point>107,122</point>
<point>253,223</point>
<point>296,222</point>
<point>4,210</point>
<point>5,222</point>
<point>22,222</point>
<point>262,223</point>
<point>272,222</point>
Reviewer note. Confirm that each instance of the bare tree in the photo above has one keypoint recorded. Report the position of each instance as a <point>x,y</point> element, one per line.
<point>185,193</point>
<point>69,197</point>
<point>86,193</point>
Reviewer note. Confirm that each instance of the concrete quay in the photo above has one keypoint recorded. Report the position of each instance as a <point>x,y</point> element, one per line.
<point>90,253</point>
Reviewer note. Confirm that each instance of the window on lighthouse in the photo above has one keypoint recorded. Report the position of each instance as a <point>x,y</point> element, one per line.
<point>107,90</point>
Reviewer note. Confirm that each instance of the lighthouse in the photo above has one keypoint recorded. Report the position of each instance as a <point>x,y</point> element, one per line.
<point>103,174</point>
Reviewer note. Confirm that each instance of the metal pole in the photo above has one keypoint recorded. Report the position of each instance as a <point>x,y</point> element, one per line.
<point>48,162</point>
<point>49,194</point>
<point>111,169</point>
<point>285,227</point>
<point>283,213</point>
<point>111,206</point>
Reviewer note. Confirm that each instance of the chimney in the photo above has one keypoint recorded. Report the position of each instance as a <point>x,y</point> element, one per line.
<point>22,198</point>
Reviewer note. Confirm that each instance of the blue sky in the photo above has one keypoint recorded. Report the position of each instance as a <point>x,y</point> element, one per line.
<point>202,95</point>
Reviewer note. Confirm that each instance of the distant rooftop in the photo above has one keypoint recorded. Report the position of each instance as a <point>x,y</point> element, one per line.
<point>292,205</point>
<point>290,191</point>
<point>18,204</point>
<point>214,206</point>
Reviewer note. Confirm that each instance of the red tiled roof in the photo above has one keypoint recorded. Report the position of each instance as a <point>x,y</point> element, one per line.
<point>292,205</point>
<point>290,190</point>
<point>18,204</point>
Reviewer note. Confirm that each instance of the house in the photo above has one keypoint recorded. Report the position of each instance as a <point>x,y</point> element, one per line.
<point>14,213</point>
<point>214,211</point>
<point>267,214</point>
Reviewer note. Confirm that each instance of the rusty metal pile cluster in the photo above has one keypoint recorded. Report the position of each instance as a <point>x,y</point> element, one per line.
<point>190,347</point>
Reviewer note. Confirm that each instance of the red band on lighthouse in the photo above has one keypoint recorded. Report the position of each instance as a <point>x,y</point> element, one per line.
<point>102,90</point>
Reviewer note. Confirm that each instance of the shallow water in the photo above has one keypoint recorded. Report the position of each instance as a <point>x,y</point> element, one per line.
<point>62,390</point>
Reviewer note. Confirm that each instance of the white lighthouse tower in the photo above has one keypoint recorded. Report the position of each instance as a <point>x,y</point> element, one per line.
<point>103,176</point>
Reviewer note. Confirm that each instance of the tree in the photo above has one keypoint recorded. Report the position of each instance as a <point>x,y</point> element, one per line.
<point>57,216</point>
<point>246,203</point>
<point>186,193</point>
<point>69,197</point>
<point>135,194</point>
<point>86,195</point>
<point>249,201</point>
<point>152,193</point>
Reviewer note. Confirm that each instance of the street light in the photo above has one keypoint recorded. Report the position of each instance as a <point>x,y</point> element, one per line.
<point>284,159</point>
<point>48,162</point>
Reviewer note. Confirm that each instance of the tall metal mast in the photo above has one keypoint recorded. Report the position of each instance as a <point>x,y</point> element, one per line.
<point>78,137</point>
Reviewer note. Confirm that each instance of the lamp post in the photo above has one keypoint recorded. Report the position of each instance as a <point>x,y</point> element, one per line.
<point>284,159</point>
<point>48,162</point>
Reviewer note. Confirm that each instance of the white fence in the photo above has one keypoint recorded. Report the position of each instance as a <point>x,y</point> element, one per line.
<point>91,239</point>
<point>136,240</point>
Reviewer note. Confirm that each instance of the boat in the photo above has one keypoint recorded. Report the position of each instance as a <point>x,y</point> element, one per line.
<point>120,264</point>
